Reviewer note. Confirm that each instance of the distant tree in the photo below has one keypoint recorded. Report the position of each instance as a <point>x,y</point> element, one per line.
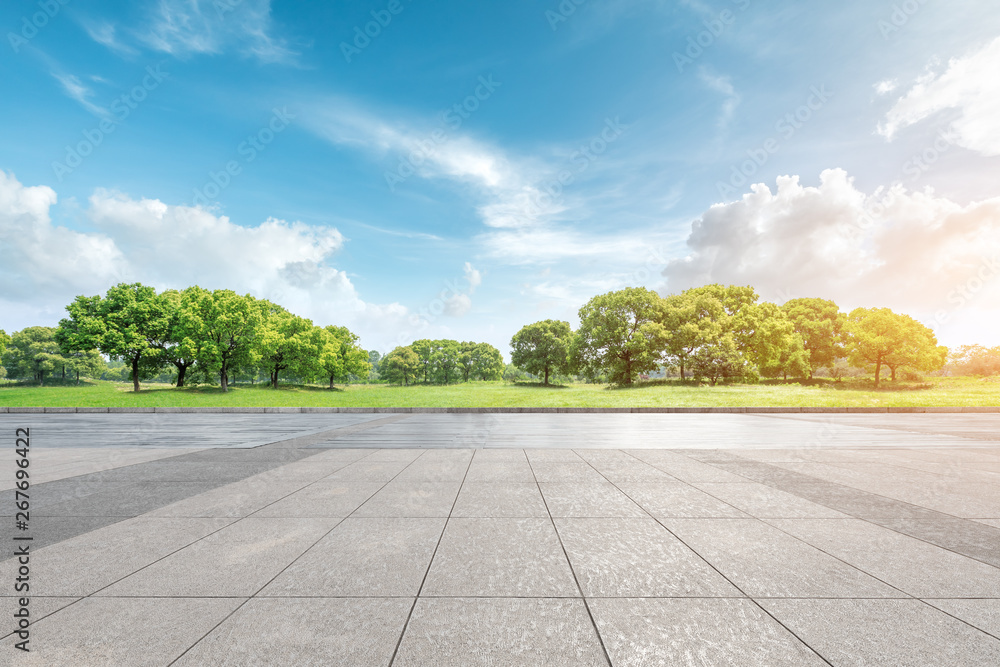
<point>32,353</point>
<point>445,360</point>
<point>424,350</point>
<point>878,337</point>
<point>4,342</point>
<point>401,365</point>
<point>975,360</point>
<point>124,325</point>
<point>821,325</point>
<point>620,334</point>
<point>88,363</point>
<point>375,359</point>
<point>543,348</point>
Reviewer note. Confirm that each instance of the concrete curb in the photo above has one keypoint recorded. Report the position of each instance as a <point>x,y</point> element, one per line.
<point>335,410</point>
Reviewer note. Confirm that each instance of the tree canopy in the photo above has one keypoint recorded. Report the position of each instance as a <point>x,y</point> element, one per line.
<point>878,337</point>
<point>621,334</point>
<point>543,348</point>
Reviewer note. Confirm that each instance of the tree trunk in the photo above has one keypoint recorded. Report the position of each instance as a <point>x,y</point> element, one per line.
<point>274,379</point>
<point>64,371</point>
<point>78,377</point>
<point>135,374</point>
<point>893,373</point>
<point>878,372</point>
<point>331,382</point>
<point>224,379</point>
<point>682,369</point>
<point>546,375</point>
<point>181,372</point>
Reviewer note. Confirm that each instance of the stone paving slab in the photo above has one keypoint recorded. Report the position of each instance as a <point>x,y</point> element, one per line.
<point>512,539</point>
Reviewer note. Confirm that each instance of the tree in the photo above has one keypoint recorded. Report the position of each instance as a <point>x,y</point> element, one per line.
<point>124,325</point>
<point>878,337</point>
<point>286,342</point>
<point>976,360</point>
<point>423,348</point>
<point>690,320</point>
<point>88,363</point>
<point>31,353</point>
<point>719,359</point>
<point>445,360</point>
<point>226,325</point>
<point>4,342</point>
<point>487,362</point>
<point>543,348</point>
<point>621,334</point>
<point>821,325</point>
<point>401,365</point>
<point>339,354</point>
<point>181,343</point>
<point>771,342</point>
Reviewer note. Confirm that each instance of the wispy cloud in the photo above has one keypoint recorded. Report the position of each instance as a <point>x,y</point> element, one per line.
<point>971,87</point>
<point>724,85</point>
<point>106,33</point>
<point>75,89</point>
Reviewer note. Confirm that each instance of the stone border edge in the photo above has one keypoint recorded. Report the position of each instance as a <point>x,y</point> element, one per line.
<point>508,410</point>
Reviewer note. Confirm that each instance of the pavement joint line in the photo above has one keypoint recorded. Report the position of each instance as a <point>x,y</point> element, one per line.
<point>872,521</point>
<point>292,562</point>
<point>946,612</point>
<point>569,563</point>
<point>707,562</point>
<point>430,563</point>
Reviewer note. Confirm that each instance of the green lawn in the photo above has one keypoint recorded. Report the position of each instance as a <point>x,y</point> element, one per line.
<point>935,392</point>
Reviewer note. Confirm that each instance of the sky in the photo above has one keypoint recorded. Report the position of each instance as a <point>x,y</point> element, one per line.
<point>458,170</point>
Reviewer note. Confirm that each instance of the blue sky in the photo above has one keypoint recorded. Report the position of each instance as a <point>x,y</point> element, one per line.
<point>399,183</point>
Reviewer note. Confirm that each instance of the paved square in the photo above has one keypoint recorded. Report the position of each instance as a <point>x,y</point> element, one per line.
<point>507,539</point>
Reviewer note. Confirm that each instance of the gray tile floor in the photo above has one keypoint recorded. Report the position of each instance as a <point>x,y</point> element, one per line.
<point>509,540</point>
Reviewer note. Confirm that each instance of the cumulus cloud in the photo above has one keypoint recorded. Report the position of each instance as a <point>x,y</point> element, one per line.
<point>970,87</point>
<point>909,250</point>
<point>167,246</point>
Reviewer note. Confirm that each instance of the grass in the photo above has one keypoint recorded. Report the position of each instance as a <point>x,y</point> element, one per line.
<point>950,392</point>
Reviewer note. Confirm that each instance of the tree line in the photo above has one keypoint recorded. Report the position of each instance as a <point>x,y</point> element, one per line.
<point>217,332</point>
<point>441,362</point>
<point>717,332</point>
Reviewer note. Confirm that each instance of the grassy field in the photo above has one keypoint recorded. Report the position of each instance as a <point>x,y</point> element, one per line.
<point>822,393</point>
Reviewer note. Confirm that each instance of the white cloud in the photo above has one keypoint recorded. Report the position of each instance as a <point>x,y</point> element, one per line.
<point>907,250</point>
<point>42,261</point>
<point>185,27</point>
<point>73,87</point>
<point>887,86</point>
<point>168,246</point>
<point>971,87</point>
<point>473,277</point>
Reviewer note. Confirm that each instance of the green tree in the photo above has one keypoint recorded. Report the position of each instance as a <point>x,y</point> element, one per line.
<point>620,334</point>
<point>286,342</point>
<point>181,343</point>
<point>975,360</point>
<point>88,363</point>
<point>124,325</point>
<point>772,344</point>
<point>340,356</point>
<point>401,365</point>
<point>4,342</point>
<point>821,325</point>
<point>226,326</point>
<point>32,353</point>
<point>878,337</point>
<point>543,348</point>
<point>487,362</point>
<point>718,360</point>
<point>445,360</point>
<point>690,321</point>
<point>424,350</point>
